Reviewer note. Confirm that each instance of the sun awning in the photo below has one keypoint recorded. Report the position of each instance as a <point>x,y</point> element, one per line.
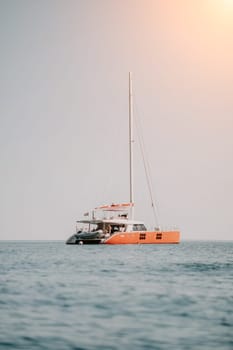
<point>116,207</point>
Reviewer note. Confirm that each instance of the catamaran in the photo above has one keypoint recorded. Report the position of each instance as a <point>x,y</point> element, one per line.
<point>115,223</point>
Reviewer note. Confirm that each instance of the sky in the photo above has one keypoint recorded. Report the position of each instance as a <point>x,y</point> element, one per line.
<point>64,113</point>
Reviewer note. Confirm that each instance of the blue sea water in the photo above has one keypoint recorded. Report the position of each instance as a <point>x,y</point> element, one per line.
<point>54,296</point>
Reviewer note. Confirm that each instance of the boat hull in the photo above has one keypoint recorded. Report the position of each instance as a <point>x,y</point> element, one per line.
<point>145,237</point>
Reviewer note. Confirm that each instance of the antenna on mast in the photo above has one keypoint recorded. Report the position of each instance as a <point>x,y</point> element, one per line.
<point>131,140</point>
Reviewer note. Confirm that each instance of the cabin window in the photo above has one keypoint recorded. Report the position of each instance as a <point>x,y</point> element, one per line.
<point>142,236</point>
<point>158,235</point>
<point>139,227</point>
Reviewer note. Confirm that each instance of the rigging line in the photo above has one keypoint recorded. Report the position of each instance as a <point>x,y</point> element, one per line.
<point>154,208</point>
<point>146,165</point>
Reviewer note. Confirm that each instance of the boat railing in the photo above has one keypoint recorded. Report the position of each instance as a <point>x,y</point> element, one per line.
<point>172,228</point>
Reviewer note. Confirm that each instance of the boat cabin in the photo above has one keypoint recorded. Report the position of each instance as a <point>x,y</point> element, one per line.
<point>110,226</point>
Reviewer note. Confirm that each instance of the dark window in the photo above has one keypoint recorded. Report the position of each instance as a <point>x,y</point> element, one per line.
<point>139,227</point>
<point>158,235</point>
<point>142,236</point>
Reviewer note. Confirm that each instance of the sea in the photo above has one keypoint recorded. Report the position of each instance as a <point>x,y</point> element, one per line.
<point>129,297</point>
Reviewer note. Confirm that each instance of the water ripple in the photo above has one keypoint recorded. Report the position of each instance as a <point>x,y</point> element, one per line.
<point>54,296</point>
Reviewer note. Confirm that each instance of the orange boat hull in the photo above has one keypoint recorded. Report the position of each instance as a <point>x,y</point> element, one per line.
<point>145,237</point>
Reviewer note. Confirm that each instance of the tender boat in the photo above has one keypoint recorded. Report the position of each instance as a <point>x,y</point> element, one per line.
<point>115,224</point>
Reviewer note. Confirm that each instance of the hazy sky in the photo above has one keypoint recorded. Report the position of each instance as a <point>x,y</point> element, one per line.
<point>64,107</point>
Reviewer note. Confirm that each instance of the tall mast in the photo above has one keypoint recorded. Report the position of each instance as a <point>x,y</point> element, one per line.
<point>131,146</point>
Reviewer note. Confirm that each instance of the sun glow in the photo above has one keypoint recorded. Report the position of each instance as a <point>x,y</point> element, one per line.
<point>222,11</point>
<point>225,5</point>
<point>228,2</point>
